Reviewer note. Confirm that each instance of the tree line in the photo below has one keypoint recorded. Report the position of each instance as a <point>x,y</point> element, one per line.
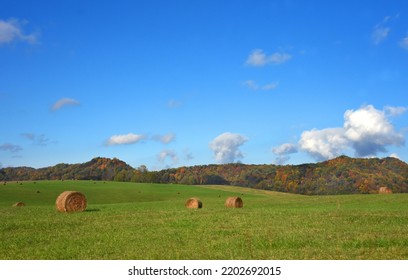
<point>342,175</point>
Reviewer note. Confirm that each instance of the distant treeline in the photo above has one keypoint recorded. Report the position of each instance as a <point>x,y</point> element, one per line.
<point>342,175</point>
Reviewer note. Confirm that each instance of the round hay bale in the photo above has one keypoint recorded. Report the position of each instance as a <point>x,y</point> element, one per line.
<point>194,203</point>
<point>71,201</point>
<point>18,204</point>
<point>384,190</point>
<point>234,202</point>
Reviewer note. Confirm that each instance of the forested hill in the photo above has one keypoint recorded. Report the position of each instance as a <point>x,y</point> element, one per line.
<point>342,175</point>
<point>96,169</point>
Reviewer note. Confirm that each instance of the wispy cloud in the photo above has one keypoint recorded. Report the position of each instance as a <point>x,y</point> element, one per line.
<point>10,148</point>
<point>259,58</point>
<point>165,139</point>
<point>64,102</point>
<point>283,151</point>
<point>281,160</point>
<point>380,33</point>
<point>174,104</point>
<point>12,30</point>
<point>255,86</point>
<point>124,139</point>
<point>382,30</point>
<point>188,155</point>
<point>170,154</point>
<point>40,140</point>
<point>226,147</point>
<point>395,111</point>
<point>404,43</point>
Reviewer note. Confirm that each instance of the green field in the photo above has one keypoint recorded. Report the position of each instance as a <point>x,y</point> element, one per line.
<point>149,221</point>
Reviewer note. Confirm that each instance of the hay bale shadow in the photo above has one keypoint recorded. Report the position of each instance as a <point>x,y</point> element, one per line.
<point>93,210</point>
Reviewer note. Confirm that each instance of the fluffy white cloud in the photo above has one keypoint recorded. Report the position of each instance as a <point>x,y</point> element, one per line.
<point>64,102</point>
<point>129,138</point>
<point>226,147</point>
<point>11,30</point>
<point>285,149</point>
<point>369,131</point>
<point>323,144</point>
<point>259,58</point>
<point>366,130</point>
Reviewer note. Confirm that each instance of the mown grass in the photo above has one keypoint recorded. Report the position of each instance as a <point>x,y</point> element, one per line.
<point>149,221</point>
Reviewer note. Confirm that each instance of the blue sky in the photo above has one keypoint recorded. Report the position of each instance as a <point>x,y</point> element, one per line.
<point>174,83</point>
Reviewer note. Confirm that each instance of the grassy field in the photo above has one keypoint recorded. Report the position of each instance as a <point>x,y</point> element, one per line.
<point>149,221</point>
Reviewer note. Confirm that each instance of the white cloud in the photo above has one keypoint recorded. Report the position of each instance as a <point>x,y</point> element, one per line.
<point>165,139</point>
<point>323,144</point>
<point>11,30</point>
<point>285,149</point>
<point>404,43</point>
<point>163,155</point>
<point>370,131</point>
<point>280,160</point>
<point>10,148</point>
<point>251,84</point>
<point>64,102</point>
<point>226,147</point>
<point>366,130</point>
<point>259,58</point>
<point>270,86</point>
<point>123,139</point>
<point>380,34</point>
<point>381,31</point>
<point>395,111</point>
<point>278,58</point>
<point>254,86</point>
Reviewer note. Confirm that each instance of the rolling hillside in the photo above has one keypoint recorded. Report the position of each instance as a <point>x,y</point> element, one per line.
<point>342,175</point>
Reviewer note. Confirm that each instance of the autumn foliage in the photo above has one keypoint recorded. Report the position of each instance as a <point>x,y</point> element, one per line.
<point>342,175</point>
